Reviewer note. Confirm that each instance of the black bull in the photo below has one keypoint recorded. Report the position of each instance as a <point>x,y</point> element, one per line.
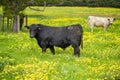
<point>48,37</point>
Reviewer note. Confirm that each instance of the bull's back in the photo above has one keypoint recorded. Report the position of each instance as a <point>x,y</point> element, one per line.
<point>61,32</point>
<point>97,21</point>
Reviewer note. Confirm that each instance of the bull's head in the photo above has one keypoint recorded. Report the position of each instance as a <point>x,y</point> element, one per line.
<point>111,20</point>
<point>34,29</point>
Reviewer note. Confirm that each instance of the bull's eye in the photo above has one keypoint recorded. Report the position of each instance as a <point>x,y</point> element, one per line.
<point>38,28</point>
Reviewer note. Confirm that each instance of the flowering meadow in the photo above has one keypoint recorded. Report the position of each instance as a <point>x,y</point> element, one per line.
<point>22,59</point>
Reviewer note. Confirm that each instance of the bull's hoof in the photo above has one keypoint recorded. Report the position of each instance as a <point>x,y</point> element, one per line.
<point>77,55</point>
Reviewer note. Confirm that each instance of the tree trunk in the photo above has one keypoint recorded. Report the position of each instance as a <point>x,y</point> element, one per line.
<point>26,24</point>
<point>7,28</point>
<point>16,24</point>
<point>11,23</point>
<point>21,22</point>
<point>3,24</point>
<point>26,20</point>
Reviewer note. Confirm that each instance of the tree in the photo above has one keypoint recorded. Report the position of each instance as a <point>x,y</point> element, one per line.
<point>13,8</point>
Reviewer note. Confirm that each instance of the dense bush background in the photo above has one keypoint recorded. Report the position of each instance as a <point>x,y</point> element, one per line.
<point>92,3</point>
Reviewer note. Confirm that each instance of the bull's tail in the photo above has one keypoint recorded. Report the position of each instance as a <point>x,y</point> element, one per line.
<point>82,41</point>
<point>81,36</point>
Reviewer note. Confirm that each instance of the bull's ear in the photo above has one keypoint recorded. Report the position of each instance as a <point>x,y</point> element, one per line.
<point>108,19</point>
<point>114,18</point>
<point>27,27</point>
<point>39,28</point>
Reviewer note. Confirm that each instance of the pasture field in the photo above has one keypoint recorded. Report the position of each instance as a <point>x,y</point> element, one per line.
<point>22,59</point>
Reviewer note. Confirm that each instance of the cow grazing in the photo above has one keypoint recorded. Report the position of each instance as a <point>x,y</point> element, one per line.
<point>99,21</point>
<point>48,37</point>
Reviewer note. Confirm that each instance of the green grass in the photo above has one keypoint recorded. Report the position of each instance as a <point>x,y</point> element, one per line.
<point>22,59</point>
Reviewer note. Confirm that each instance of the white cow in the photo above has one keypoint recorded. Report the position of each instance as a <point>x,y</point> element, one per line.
<point>99,21</point>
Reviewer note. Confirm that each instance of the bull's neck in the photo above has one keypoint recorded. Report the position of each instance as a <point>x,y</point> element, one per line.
<point>37,38</point>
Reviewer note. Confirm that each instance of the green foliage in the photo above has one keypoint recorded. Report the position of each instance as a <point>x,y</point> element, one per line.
<point>92,3</point>
<point>103,3</point>
<point>22,59</point>
<point>12,8</point>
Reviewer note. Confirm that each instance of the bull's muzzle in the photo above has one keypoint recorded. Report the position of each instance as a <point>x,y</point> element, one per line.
<point>31,36</point>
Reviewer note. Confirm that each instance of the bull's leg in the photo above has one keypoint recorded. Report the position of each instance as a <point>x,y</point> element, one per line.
<point>43,46</point>
<point>52,49</point>
<point>76,49</point>
<point>105,28</point>
<point>44,49</point>
<point>91,27</point>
